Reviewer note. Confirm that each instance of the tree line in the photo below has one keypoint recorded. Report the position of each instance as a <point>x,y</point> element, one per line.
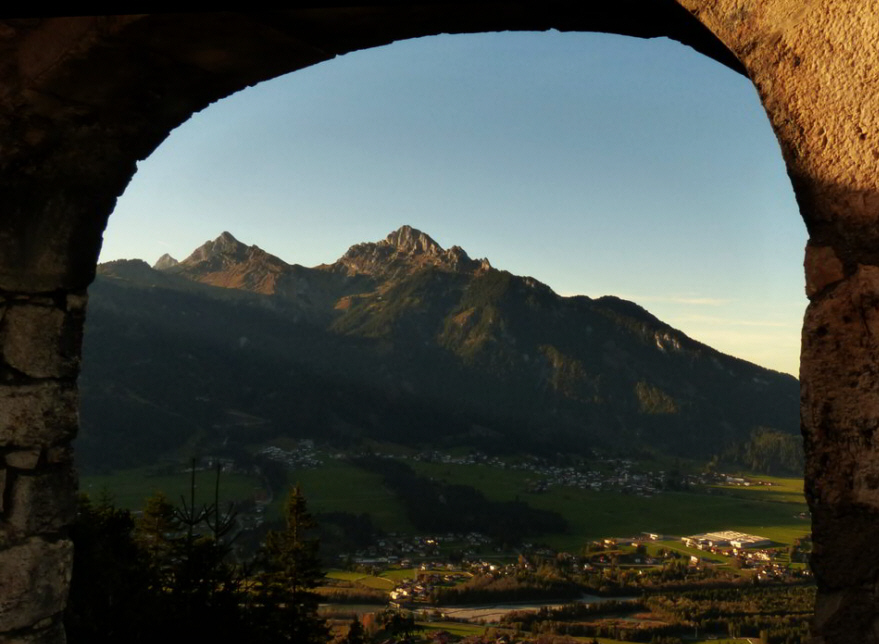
<point>173,572</point>
<point>777,615</point>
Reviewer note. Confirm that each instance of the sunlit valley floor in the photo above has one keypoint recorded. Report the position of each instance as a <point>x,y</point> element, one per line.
<point>463,436</point>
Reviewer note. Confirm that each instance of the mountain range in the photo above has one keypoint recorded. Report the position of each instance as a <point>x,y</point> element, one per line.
<point>398,341</point>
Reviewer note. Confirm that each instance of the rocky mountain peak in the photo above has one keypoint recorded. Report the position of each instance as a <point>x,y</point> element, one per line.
<point>165,262</point>
<point>412,241</point>
<point>223,246</point>
<point>227,262</point>
<point>403,251</point>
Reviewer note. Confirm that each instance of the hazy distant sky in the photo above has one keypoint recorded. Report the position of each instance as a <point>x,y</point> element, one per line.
<point>597,164</point>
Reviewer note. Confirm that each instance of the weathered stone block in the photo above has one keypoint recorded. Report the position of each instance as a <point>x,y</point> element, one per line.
<point>76,302</point>
<point>59,454</point>
<point>53,633</point>
<point>823,268</point>
<point>42,502</point>
<point>840,394</point>
<point>34,577</point>
<point>37,415</point>
<point>41,341</point>
<point>48,631</point>
<point>23,459</point>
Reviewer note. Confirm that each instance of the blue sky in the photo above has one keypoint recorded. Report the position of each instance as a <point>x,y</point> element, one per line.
<point>598,164</point>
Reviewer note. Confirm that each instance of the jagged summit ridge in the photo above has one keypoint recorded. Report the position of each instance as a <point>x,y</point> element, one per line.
<point>534,368</point>
<point>404,250</point>
<point>165,262</point>
<point>412,241</point>
<point>229,263</point>
<point>223,247</point>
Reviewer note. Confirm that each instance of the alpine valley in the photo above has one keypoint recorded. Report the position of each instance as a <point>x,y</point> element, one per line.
<point>403,342</point>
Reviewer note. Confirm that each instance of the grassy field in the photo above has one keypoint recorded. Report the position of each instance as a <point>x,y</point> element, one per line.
<point>381,583</point>
<point>459,629</point>
<point>770,511</point>
<point>130,488</point>
<point>763,510</point>
<point>401,573</point>
<point>596,514</point>
<point>342,487</point>
<point>495,483</point>
<point>345,575</point>
<point>782,490</point>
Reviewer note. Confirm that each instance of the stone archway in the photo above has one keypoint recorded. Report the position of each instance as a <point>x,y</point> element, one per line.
<point>83,99</point>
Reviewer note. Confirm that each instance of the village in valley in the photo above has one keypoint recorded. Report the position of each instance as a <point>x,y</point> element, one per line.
<point>473,579</point>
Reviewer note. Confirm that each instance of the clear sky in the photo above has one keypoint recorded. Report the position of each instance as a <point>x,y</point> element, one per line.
<point>597,164</point>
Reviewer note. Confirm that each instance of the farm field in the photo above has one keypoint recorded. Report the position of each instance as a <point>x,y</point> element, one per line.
<point>130,488</point>
<point>459,629</point>
<point>398,574</point>
<point>593,515</point>
<point>463,629</point>
<point>770,511</point>
<point>782,490</point>
<point>384,582</point>
<point>338,486</point>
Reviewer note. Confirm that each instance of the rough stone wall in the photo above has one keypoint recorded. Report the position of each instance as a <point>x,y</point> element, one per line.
<point>816,67</point>
<point>82,99</point>
<point>40,337</point>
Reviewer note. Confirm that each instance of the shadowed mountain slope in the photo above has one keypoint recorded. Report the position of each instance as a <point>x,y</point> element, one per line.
<point>399,340</point>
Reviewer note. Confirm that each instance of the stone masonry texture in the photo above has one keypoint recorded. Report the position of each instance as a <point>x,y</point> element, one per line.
<point>82,99</point>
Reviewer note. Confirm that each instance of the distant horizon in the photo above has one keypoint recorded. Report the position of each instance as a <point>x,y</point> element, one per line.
<point>596,164</point>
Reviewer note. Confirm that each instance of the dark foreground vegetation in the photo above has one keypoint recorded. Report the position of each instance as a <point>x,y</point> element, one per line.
<point>184,572</point>
<point>172,574</point>
<point>776,615</point>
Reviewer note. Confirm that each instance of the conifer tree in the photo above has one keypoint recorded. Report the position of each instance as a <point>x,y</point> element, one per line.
<point>155,526</point>
<point>111,595</point>
<point>289,603</point>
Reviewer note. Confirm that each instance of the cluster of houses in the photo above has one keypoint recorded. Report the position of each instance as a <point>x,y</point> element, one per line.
<point>752,551</point>
<point>473,458</point>
<point>619,479</point>
<point>304,456</point>
<point>397,549</point>
<point>611,475</point>
<point>420,588</point>
<point>608,474</point>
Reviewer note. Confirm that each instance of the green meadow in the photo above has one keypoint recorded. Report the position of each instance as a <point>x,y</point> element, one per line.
<point>768,511</point>
<point>592,515</point>
<point>130,488</point>
<point>459,629</point>
<point>341,487</point>
<point>338,486</point>
<point>397,574</point>
<point>385,582</point>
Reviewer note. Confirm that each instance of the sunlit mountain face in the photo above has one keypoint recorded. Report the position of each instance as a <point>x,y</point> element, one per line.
<point>399,341</point>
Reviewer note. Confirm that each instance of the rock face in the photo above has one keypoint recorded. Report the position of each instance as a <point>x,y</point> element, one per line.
<point>165,262</point>
<point>404,250</point>
<point>84,98</point>
<point>228,263</point>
